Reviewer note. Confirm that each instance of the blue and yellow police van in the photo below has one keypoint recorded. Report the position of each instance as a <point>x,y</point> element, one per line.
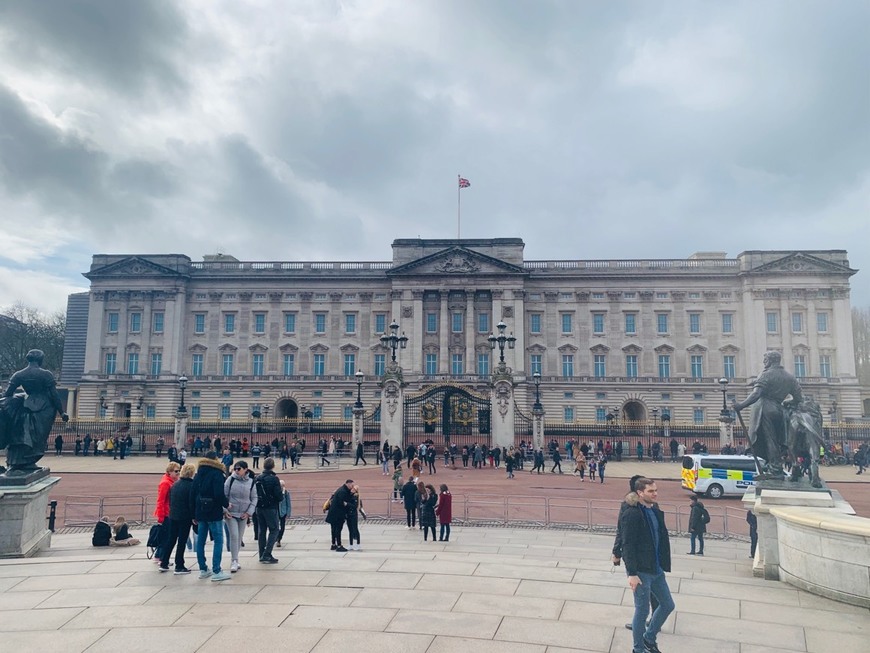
<point>718,476</point>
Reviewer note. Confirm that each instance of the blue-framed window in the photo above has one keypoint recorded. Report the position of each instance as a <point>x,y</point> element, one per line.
<point>289,364</point>
<point>258,364</point>
<point>227,367</point>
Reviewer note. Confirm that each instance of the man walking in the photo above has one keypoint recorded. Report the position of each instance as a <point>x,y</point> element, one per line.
<point>360,454</point>
<point>698,518</point>
<point>269,496</point>
<point>646,551</point>
<point>208,503</point>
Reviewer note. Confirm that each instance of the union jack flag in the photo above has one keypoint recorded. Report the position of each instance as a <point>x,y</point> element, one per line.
<point>464,183</point>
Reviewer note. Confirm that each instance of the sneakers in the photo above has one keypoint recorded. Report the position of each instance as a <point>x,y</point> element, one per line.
<point>270,560</point>
<point>334,547</point>
<point>340,549</point>
<point>690,553</point>
<point>650,647</point>
<point>182,571</point>
<point>203,574</point>
<point>161,568</point>
<point>278,544</point>
<point>221,575</point>
<point>234,567</point>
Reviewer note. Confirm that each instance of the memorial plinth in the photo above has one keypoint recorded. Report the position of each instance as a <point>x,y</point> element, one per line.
<point>812,539</point>
<point>22,515</point>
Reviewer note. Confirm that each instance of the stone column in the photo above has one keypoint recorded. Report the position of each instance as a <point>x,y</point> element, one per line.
<point>726,430</point>
<point>357,435</point>
<point>181,430</point>
<point>470,330</point>
<point>444,335</point>
<point>538,427</point>
<point>392,407</point>
<point>502,409</point>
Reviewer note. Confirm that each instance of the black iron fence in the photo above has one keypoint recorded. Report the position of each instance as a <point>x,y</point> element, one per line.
<point>146,434</point>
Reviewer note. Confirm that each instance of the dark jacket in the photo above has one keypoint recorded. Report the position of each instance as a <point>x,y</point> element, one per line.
<point>207,498</point>
<point>617,542</point>
<point>427,514</point>
<point>638,548</point>
<point>409,495</point>
<point>271,491</point>
<point>338,505</point>
<point>696,521</point>
<point>179,500</point>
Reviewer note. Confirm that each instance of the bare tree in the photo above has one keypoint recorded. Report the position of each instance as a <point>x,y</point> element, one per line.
<point>861,335</point>
<point>23,328</point>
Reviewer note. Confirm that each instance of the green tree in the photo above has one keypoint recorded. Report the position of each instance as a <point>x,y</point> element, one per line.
<point>861,335</point>
<point>23,328</point>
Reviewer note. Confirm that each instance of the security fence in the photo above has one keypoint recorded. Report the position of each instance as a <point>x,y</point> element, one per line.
<point>594,515</point>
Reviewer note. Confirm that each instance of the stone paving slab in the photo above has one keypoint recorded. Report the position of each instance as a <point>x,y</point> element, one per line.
<point>227,639</point>
<point>556,633</point>
<point>124,616</point>
<point>387,600</point>
<point>74,641</point>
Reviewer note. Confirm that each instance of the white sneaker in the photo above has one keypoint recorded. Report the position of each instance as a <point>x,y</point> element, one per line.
<point>234,567</point>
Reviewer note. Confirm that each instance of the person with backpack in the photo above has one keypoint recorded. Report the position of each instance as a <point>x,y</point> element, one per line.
<point>102,533</point>
<point>698,520</point>
<point>255,454</point>
<point>269,496</point>
<point>208,502</point>
<point>242,498</point>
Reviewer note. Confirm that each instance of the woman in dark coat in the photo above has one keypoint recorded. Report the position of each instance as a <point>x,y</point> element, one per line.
<point>427,511</point>
<point>444,510</point>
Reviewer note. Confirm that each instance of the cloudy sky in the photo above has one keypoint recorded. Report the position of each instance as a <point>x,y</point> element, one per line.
<point>324,129</point>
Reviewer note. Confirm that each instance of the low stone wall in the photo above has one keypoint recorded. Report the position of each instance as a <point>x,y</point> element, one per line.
<point>824,551</point>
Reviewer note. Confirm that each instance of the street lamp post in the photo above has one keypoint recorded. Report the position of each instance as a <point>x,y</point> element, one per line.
<point>394,340</point>
<point>536,377</point>
<point>182,383</point>
<point>359,381</point>
<point>723,387</point>
<point>655,414</point>
<point>500,340</point>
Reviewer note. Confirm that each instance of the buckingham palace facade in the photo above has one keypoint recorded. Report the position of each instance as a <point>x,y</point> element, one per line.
<point>639,337</point>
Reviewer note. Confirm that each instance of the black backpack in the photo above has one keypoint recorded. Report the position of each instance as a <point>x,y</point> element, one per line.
<point>102,534</point>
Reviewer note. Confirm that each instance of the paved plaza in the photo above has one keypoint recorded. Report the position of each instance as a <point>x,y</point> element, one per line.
<point>488,589</point>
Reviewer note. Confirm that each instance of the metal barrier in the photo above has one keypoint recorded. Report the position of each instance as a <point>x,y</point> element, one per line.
<point>527,511</point>
<point>87,510</point>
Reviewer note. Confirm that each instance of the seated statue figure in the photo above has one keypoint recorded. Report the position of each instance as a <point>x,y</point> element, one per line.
<point>26,418</point>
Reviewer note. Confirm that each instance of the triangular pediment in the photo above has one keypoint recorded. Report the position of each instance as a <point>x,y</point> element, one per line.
<point>133,266</point>
<point>459,261</point>
<point>801,263</point>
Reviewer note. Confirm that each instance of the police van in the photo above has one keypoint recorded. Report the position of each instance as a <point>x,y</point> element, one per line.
<point>718,476</point>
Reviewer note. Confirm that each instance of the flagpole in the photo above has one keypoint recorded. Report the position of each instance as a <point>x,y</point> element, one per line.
<point>458,207</point>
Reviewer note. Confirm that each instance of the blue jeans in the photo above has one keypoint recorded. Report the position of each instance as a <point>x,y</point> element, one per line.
<point>216,529</point>
<point>656,584</point>
<point>700,538</point>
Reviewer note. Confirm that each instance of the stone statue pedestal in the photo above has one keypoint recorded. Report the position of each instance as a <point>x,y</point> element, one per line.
<point>23,515</point>
<point>771,494</point>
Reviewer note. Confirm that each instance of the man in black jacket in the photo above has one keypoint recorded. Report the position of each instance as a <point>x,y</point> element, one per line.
<point>646,551</point>
<point>208,502</point>
<point>269,496</point>
<point>337,513</point>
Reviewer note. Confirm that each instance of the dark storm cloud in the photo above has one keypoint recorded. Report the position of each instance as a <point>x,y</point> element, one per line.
<point>38,159</point>
<point>152,178</point>
<point>126,44</point>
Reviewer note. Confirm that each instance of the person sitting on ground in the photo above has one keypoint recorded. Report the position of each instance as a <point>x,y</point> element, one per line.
<point>122,534</point>
<point>102,533</point>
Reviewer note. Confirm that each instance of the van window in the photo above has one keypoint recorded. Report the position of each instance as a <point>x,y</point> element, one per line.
<point>742,464</point>
<point>688,463</point>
